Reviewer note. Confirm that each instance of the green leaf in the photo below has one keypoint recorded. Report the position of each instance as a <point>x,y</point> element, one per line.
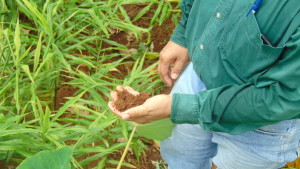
<point>67,105</point>
<point>38,52</point>
<point>27,71</point>
<point>143,12</point>
<point>57,159</point>
<point>158,130</point>
<point>17,40</point>
<point>123,164</point>
<point>102,163</point>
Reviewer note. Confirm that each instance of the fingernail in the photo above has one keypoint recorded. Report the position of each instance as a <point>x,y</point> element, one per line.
<point>174,75</point>
<point>125,116</point>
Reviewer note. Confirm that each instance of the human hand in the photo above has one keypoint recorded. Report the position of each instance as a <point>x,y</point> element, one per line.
<point>155,108</point>
<point>172,60</point>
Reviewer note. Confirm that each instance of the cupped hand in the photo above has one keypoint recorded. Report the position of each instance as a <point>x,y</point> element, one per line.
<point>173,58</point>
<point>155,108</point>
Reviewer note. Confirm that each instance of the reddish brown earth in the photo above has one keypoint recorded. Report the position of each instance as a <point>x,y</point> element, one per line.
<point>126,100</point>
<point>159,37</point>
<point>11,165</point>
<point>151,153</point>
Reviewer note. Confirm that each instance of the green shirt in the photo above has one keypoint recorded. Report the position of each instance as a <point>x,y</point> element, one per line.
<point>249,83</point>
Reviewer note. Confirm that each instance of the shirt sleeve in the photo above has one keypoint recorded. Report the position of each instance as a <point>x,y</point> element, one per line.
<point>179,33</point>
<point>236,109</point>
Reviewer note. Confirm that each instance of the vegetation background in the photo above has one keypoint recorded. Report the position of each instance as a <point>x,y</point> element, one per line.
<point>59,62</point>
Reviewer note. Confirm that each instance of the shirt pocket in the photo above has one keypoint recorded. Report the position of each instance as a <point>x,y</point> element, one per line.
<point>243,50</point>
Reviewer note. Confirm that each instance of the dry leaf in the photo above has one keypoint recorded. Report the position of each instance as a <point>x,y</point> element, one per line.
<point>130,51</point>
<point>115,70</point>
<point>121,140</point>
<point>75,110</point>
<point>26,31</point>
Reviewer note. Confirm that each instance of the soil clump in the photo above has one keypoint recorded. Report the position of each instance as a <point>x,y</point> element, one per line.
<point>127,100</point>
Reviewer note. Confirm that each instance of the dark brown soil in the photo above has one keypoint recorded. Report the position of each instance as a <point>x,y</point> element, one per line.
<point>126,100</point>
<point>63,92</point>
<point>160,34</point>
<point>11,165</point>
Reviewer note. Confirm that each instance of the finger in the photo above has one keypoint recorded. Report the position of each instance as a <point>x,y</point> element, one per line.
<point>164,71</point>
<point>113,108</point>
<point>161,74</point>
<point>177,68</point>
<point>131,90</point>
<point>114,96</point>
<point>119,88</point>
<point>134,113</point>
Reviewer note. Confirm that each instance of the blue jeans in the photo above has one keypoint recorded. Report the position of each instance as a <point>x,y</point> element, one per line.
<point>191,147</point>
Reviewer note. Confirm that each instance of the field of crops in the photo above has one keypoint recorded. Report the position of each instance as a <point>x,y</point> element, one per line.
<point>59,60</point>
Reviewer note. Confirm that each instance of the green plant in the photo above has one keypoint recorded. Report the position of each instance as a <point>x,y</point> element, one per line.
<point>56,159</point>
<point>159,165</point>
<point>45,42</point>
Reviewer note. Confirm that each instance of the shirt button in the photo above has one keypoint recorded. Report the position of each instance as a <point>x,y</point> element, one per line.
<point>201,47</point>
<point>218,15</point>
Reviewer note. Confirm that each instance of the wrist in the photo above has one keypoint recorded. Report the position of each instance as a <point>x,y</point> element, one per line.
<point>168,106</point>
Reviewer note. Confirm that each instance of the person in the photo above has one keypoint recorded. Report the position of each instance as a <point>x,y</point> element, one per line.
<point>237,102</point>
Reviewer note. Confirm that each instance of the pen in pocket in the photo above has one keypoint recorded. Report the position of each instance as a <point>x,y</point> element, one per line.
<point>255,7</point>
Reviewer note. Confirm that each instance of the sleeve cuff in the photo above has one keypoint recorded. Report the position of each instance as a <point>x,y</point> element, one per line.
<point>184,109</point>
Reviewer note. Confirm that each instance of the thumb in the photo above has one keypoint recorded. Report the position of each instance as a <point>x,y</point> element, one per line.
<point>177,69</point>
<point>133,113</point>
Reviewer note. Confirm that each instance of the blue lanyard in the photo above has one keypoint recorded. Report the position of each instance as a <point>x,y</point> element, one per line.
<point>255,7</point>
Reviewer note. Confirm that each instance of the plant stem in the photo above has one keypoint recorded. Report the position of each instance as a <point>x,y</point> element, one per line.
<point>127,146</point>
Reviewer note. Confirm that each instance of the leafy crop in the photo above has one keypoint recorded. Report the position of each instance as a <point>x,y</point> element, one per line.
<point>47,46</point>
<point>57,159</point>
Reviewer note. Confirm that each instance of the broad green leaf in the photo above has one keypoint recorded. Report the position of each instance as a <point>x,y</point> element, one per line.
<point>158,130</point>
<point>57,159</point>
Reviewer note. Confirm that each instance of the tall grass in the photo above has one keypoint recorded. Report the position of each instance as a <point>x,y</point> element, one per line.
<point>43,42</point>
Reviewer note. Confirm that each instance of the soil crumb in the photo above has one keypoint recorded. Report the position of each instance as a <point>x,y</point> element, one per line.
<point>126,100</point>
<point>213,166</point>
